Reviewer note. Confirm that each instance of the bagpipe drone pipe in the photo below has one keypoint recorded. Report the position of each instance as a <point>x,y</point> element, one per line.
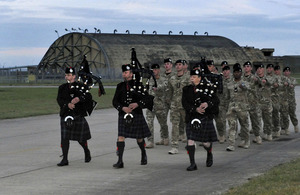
<point>140,87</point>
<point>214,80</point>
<point>89,81</point>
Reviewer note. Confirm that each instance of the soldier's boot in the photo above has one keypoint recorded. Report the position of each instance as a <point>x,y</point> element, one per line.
<point>166,141</point>
<point>150,145</point>
<point>246,144</point>
<point>120,150</point>
<point>65,145</point>
<point>161,142</point>
<point>257,140</point>
<point>191,153</point>
<point>287,131</point>
<point>222,139</point>
<point>209,158</point>
<point>296,128</point>
<point>87,153</point>
<point>276,134</point>
<point>143,152</point>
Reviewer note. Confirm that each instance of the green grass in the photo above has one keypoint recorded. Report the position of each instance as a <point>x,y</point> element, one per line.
<point>26,101</point>
<point>282,179</point>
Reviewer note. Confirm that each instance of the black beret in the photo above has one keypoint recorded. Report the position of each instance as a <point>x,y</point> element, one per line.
<point>286,68</point>
<point>195,72</point>
<point>184,61</point>
<point>247,63</point>
<point>277,67</point>
<point>167,60</point>
<point>210,62</point>
<point>237,69</point>
<point>225,68</point>
<point>270,65</point>
<point>126,67</point>
<point>155,66</point>
<point>224,63</point>
<point>236,65</point>
<point>259,66</point>
<point>179,61</point>
<point>70,70</point>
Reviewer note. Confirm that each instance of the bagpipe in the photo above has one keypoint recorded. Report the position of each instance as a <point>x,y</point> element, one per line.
<point>139,73</point>
<point>86,81</point>
<point>141,87</point>
<point>215,81</point>
<point>88,78</point>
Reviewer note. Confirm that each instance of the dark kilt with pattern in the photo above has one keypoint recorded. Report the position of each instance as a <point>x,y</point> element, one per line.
<point>79,132</point>
<point>206,134</point>
<point>139,129</point>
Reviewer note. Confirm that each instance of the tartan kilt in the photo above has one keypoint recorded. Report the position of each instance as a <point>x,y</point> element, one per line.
<point>79,132</point>
<point>206,134</point>
<point>139,129</point>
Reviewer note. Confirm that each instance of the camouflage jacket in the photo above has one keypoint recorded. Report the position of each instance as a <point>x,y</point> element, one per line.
<point>159,93</point>
<point>264,89</point>
<point>238,94</point>
<point>291,88</point>
<point>174,90</point>
<point>252,91</point>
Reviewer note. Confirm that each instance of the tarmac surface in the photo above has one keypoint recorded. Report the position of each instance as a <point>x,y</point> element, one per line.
<point>30,150</point>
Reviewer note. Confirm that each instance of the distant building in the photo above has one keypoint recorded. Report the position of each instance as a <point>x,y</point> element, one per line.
<point>107,52</point>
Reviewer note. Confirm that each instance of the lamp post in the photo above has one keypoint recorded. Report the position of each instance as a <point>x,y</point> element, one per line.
<point>57,33</point>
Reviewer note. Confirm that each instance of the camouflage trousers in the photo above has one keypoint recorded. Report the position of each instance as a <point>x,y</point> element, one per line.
<point>284,114</point>
<point>177,117</point>
<point>266,112</point>
<point>292,113</point>
<point>288,111</point>
<point>161,116</point>
<point>220,120</point>
<point>255,119</point>
<point>235,114</point>
<point>276,115</point>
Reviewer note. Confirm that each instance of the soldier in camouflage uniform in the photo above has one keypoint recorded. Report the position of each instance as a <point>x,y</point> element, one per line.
<point>158,107</point>
<point>223,106</point>
<point>174,95</point>
<point>254,111</point>
<point>165,78</point>
<point>182,134</point>
<point>265,102</point>
<point>238,110</point>
<point>276,101</point>
<point>291,101</point>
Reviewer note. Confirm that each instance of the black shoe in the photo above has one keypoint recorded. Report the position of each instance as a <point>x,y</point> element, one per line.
<point>119,165</point>
<point>209,159</point>
<point>144,160</point>
<point>192,167</point>
<point>88,157</point>
<point>63,163</point>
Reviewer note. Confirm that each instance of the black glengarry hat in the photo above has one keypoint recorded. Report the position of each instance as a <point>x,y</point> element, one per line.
<point>126,67</point>
<point>195,72</point>
<point>70,70</point>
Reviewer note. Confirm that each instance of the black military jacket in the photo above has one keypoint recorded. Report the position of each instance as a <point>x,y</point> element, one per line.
<point>124,96</point>
<point>68,91</point>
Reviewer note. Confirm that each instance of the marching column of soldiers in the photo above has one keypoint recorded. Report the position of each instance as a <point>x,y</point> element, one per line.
<point>201,101</point>
<point>255,100</point>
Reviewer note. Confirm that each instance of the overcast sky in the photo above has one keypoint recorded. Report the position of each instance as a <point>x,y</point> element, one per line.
<point>28,26</point>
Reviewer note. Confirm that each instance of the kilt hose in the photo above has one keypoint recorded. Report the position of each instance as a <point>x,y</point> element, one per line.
<point>206,134</point>
<point>138,129</point>
<point>79,132</point>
